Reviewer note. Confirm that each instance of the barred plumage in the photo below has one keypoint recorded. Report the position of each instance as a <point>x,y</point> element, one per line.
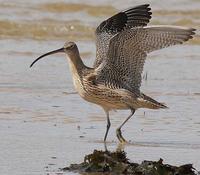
<point>123,42</point>
<point>128,50</point>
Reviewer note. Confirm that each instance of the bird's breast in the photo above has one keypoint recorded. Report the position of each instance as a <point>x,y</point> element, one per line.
<point>78,84</point>
<point>99,94</point>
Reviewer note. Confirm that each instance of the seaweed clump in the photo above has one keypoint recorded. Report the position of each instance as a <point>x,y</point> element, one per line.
<point>118,163</point>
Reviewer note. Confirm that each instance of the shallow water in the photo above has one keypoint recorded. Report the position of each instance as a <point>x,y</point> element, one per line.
<point>45,125</point>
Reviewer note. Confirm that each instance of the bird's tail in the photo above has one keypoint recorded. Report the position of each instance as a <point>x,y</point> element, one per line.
<point>148,102</point>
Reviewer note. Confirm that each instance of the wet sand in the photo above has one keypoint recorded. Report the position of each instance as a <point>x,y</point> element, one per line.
<point>45,125</point>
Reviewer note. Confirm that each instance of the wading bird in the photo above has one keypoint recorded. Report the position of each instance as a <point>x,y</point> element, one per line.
<point>123,42</point>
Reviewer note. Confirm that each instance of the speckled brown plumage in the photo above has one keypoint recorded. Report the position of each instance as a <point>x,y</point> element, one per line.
<point>123,42</point>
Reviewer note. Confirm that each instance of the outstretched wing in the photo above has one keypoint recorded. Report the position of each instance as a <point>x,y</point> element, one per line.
<point>133,17</point>
<point>128,50</point>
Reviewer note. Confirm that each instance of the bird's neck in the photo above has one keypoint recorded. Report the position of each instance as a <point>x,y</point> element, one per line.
<point>77,68</point>
<point>76,64</point>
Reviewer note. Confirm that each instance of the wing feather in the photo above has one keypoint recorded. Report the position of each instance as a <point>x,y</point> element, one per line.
<point>133,17</point>
<point>128,50</point>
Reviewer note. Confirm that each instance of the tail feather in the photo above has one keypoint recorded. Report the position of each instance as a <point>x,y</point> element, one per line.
<point>150,103</point>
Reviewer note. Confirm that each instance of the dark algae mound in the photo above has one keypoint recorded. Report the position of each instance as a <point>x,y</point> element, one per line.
<point>116,163</point>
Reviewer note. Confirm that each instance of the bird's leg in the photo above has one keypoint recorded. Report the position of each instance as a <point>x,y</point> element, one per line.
<point>118,131</point>
<point>108,125</point>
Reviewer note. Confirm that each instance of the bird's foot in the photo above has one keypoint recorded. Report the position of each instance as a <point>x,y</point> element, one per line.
<point>120,137</point>
<point>120,147</point>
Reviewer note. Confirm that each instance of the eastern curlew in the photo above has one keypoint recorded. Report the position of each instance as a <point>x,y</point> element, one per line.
<point>123,42</point>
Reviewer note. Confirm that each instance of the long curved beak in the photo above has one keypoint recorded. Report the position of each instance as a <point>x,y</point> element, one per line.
<point>46,54</point>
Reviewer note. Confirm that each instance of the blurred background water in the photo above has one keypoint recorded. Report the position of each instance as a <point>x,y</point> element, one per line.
<point>45,125</point>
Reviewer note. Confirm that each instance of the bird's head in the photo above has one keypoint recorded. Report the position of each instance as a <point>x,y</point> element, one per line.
<point>70,48</point>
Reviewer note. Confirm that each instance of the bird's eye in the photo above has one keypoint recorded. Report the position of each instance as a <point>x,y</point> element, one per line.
<point>71,46</point>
